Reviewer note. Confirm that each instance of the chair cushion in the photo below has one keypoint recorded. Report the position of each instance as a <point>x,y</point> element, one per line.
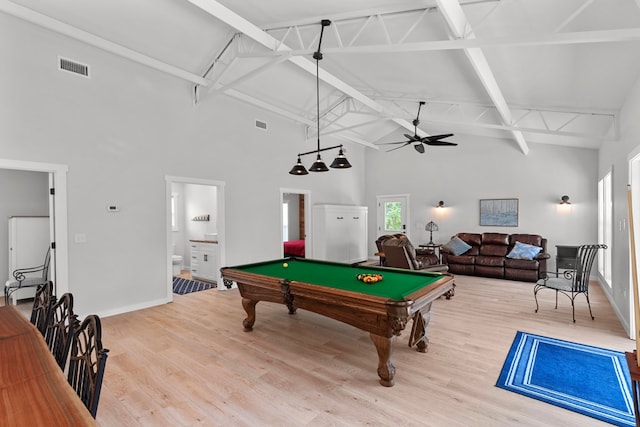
<point>457,246</point>
<point>524,251</point>
<point>29,282</point>
<point>559,283</point>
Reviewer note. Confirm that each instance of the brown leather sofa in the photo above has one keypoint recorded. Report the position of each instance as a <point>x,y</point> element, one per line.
<point>397,251</point>
<point>488,257</point>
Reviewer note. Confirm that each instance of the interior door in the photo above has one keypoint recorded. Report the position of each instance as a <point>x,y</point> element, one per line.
<point>392,214</point>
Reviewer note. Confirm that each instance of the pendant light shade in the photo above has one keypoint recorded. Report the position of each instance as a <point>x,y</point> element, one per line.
<point>298,169</point>
<point>318,165</point>
<point>340,162</point>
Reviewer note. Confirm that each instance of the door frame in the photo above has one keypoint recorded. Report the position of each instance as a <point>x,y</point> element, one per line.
<point>307,218</point>
<point>57,176</point>
<point>220,225</point>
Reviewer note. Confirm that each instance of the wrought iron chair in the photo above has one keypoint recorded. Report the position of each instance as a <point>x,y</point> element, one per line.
<point>87,361</point>
<point>59,330</point>
<point>21,278</point>
<point>572,282</point>
<point>42,306</point>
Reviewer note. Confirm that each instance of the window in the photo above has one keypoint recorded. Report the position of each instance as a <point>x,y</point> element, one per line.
<point>605,226</point>
<point>392,216</point>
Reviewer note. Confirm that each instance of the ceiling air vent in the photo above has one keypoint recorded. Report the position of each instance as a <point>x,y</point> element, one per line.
<point>73,67</point>
<point>261,125</point>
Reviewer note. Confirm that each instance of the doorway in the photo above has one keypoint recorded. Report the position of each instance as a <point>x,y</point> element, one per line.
<point>195,211</point>
<point>294,222</point>
<point>57,177</point>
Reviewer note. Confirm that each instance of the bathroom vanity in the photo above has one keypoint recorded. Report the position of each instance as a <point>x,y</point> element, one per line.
<point>204,259</point>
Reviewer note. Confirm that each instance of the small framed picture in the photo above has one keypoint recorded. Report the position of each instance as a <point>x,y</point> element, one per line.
<point>499,212</point>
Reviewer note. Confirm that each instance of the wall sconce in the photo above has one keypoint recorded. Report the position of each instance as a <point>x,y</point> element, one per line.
<point>440,204</point>
<point>565,200</point>
<point>340,161</point>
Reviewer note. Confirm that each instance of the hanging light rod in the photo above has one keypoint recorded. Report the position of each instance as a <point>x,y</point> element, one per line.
<point>322,149</point>
<point>340,161</point>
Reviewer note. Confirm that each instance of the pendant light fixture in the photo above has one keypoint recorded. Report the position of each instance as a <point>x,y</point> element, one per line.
<point>340,162</point>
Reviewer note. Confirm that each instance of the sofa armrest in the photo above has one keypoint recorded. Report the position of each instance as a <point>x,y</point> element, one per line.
<point>542,255</point>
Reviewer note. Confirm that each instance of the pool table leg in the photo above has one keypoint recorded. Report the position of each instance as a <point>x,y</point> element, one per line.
<point>386,370</point>
<point>249,306</point>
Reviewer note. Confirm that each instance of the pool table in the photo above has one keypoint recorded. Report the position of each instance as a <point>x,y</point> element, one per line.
<point>331,289</point>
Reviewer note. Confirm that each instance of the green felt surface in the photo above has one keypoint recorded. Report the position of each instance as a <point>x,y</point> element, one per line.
<point>396,285</point>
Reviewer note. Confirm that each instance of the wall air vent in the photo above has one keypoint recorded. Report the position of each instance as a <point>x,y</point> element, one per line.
<point>261,125</point>
<point>73,67</point>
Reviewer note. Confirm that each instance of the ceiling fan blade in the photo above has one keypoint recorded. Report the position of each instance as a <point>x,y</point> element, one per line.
<point>436,137</point>
<point>406,143</point>
<point>412,137</point>
<point>419,148</point>
<point>440,143</point>
<point>392,143</point>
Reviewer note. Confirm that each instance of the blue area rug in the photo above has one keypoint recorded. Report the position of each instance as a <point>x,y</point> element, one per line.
<point>590,380</point>
<point>184,286</point>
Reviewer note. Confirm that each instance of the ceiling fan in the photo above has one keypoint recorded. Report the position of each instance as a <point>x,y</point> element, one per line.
<point>417,141</point>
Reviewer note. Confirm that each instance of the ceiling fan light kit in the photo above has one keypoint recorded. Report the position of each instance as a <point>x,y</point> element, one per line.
<point>340,162</point>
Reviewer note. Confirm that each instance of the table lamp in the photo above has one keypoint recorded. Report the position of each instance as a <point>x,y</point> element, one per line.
<point>431,227</point>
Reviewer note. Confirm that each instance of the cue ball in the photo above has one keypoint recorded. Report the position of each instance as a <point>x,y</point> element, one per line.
<point>285,265</point>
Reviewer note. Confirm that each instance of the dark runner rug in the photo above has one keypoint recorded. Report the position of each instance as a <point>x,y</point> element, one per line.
<point>185,286</point>
<point>590,380</point>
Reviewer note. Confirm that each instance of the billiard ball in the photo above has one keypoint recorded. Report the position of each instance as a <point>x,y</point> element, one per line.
<point>285,265</point>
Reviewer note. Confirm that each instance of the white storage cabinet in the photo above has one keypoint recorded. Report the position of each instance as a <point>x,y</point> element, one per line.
<point>340,233</point>
<point>204,260</point>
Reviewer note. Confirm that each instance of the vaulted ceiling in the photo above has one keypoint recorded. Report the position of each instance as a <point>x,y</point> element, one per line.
<point>529,71</point>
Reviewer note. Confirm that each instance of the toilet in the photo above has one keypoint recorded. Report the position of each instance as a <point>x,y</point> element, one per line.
<point>176,260</point>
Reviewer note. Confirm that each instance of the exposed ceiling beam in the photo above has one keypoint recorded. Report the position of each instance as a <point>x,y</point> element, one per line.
<point>461,28</point>
<point>258,35</point>
<point>44,21</point>
<point>580,37</point>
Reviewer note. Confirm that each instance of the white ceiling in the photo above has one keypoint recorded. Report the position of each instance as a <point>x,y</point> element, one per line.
<point>530,71</point>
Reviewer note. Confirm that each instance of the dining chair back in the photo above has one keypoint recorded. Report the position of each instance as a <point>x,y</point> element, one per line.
<point>87,361</point>
<point>41,309</point>
<point>59,330</point>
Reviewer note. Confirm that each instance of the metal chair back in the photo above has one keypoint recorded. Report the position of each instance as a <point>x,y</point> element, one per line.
<point>87,362</point>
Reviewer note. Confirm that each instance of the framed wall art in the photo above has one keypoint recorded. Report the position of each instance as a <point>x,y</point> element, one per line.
<point>499,212</point>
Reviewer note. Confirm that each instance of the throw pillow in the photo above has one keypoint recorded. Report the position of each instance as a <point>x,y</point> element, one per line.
<point>524,251</point>
<point>457,246</point>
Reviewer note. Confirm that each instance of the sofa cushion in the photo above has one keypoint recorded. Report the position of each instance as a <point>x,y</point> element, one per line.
<point>494,250</point>
<point>473,239</point>
<point>524,251</point>
<point>495,239</point>
<point>521,264</point>
<point>461,259</point>
<point>457,246</point>
<point>530,239</point>
<point>490,261</point>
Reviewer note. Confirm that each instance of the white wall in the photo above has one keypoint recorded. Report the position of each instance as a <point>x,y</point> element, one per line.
<point>22,193</point>
<point>489,169</point>
<point>120,133</point>
<point>614,155</point>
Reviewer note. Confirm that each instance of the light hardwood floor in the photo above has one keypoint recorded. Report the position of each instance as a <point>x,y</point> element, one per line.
<point>189,363</point>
